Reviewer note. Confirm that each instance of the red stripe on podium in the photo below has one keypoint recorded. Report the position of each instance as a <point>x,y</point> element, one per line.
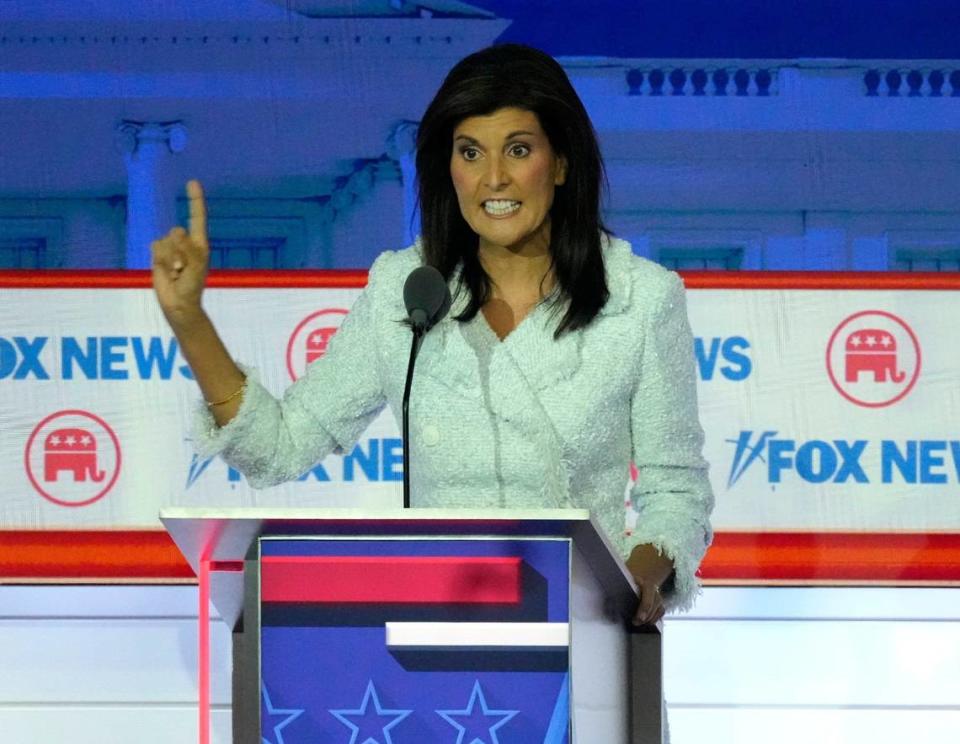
<point>390,579</point>
<point>735,557</point>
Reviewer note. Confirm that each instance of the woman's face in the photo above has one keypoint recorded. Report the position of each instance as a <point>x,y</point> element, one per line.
<point>505,172</point>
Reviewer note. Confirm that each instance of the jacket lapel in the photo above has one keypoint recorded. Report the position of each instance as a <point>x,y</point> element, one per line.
<point>545,361</point>
<point>541,360</point>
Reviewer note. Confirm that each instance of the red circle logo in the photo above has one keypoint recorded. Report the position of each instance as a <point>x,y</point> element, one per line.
<point>72,458</point>
<point>310,338</point>
<point>873,358</point>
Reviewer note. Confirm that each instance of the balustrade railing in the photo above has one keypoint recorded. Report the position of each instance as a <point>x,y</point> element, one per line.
<point>701,81</point>
<point>660,78</point>
<point>912,82</point>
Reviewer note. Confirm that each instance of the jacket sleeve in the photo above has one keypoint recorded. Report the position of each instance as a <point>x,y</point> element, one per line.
<point>271,441</point>
<point>672,494</point>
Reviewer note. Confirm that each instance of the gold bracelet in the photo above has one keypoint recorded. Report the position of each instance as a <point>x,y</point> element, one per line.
<point>234,394</point>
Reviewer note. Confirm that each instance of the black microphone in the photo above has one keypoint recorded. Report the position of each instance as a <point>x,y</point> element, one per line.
<point>426,296</point>
<point>428,300</point>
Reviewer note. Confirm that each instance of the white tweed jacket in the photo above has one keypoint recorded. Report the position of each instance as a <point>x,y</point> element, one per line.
<point>528,422</point>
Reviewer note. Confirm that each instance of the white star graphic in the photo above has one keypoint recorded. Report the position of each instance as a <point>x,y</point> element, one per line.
<point>370,721</point>
<point>85,440</point>
<point>467,732</point>
<point>55,440</point>
<point>871,341</point>
<point>885,341</point>
<point>291,715</point>
<point>71,440</point>
<point>855,341</point>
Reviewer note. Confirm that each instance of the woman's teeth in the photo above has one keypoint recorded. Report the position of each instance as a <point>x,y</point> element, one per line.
<point>500,207</point>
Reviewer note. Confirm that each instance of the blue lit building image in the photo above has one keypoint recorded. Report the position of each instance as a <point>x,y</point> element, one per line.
<point>812,136</point>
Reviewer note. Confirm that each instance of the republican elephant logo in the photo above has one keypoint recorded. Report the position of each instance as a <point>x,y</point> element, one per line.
<point>873,351</point>
<point>873,358</point>
<point>73,450</point>
<point>317,343</point>
<point>311,338</point>
<point>72,458</point>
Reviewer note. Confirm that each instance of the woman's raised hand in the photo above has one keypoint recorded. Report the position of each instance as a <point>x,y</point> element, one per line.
<point>181,259</point>
<point>180,262</point>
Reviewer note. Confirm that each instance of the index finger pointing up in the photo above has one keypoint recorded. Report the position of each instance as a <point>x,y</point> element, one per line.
<point>198,213</point>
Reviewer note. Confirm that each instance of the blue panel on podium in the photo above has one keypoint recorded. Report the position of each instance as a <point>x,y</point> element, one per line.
<point>415,640</point>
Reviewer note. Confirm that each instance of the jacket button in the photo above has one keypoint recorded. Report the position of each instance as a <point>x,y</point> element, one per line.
<point>430,435</point>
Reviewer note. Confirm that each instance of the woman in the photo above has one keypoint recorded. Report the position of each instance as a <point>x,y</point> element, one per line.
<point>563,355</point>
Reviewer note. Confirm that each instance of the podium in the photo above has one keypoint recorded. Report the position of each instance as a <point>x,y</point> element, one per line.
<point>423,625</point>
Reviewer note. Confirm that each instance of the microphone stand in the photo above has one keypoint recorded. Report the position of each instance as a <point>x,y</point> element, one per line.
<point>418,332</point>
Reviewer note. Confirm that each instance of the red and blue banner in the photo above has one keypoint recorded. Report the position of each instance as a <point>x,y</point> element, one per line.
<point>829,402</point>
<point>431,640</point>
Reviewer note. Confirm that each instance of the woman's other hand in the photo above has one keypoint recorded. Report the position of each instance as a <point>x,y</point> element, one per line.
<point>180,263</point>
<point>650,569</point>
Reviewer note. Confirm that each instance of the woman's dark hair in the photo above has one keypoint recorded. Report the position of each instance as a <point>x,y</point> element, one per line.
<point>511,75</point>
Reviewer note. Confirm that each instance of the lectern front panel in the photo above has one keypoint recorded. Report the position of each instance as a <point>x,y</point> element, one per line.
<point>415,640</point>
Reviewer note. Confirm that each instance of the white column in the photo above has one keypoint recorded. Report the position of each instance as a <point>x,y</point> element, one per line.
<point>147,149</point>
<point>401,146</point>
